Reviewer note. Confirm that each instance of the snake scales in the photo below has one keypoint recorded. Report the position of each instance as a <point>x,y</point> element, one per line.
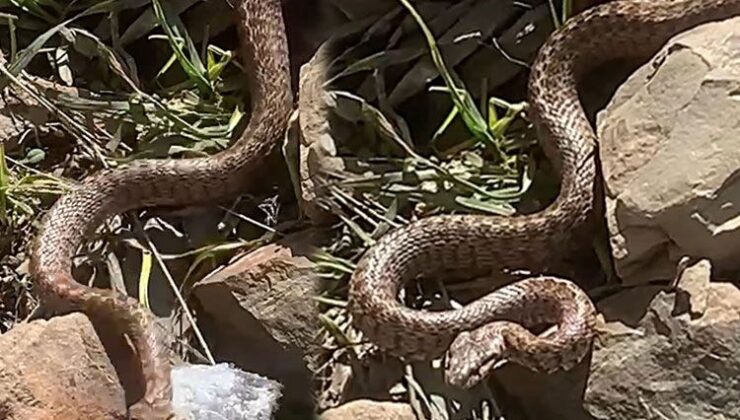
<point>182,182</point>
<point>461,242</point>
<point>492,328</point>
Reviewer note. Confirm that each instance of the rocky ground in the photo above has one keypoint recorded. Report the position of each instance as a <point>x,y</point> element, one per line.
<point>367,150</point>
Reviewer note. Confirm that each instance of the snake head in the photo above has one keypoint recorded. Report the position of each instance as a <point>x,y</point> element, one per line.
<point>473,355</point>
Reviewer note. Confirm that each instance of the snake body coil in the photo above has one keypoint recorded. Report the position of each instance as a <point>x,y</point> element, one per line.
<point>492,327</point>
<point>180,182</point>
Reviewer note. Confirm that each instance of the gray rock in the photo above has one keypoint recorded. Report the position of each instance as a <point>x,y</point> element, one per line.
<point>676,358</point>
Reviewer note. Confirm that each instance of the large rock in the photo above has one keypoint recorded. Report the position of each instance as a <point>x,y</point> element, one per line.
<point>261,314</point>
<point>58,370</point>
<point>676,353</point>
<point>669,148</point>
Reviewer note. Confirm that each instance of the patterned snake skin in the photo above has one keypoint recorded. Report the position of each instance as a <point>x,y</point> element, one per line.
<point>492,328</point>
<point>166,183</point>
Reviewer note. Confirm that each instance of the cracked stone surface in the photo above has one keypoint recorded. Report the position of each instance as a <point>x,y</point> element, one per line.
<point>670,156</point>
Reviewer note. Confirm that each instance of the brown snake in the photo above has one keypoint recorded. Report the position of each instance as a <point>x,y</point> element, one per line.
<point>423,247</point>
<point>492,328</point>
<point>182,182</point>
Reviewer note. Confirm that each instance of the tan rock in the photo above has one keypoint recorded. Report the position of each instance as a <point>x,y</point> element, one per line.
<point>309,144</point>
<point>695,282</point>
<point>668,144</point>
<point>57,370</point>
<point>370,410</point>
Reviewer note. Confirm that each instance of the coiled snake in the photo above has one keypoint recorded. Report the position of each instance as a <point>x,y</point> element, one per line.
<point>492,328</point>
<point>461,242</point>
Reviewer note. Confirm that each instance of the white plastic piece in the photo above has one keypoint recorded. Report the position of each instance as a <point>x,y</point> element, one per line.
<point>223,392</point>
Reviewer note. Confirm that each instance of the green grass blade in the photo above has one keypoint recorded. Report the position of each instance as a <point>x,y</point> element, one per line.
<point>567,10</point>
<point>192,65</point>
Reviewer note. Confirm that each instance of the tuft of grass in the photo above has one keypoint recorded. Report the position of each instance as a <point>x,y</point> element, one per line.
<point>461,98</point>
<point>191,63</point>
